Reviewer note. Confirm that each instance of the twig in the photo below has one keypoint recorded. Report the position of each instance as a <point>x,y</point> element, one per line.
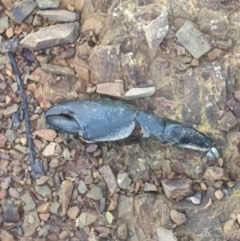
<point>36,167</point>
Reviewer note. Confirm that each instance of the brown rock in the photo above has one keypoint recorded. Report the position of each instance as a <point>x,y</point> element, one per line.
<point>73,212</point>
<point>3,140</point>
<point>214,54</point>
<point>5,236</point>
<point>47,37</point>
<point>228,121</point>
<point>52,149</point>
<point>215,173</point>
<point>44,216</point>
<point>109,178</point>
<point>10,110</point>
<point>122,231</point>
<point>46,134</point>
<point>177,217</point>
<point>58,70</point>
<point>177,189</point>
<point>219,194</point>
<point>65,195</point>
<point>104,64</point>
<point>111,89</point>
<point>44,208</point>
<point>58,16</point>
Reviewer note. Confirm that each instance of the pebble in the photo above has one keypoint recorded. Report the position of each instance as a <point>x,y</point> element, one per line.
<point>192,39</point>
<point>196,198</point>
<point>215,173</point>
<point>65,195</point>
<point>29,204</point>
<point>58,16</point>
<point>21,149</point>
<point>46,134</point>
<point>123,180</point>
<point>149,187</point>
<point>111,89</point>
<point>91,90</point>
<point>44,208</point>
<point>44,231</point>
<point>91,148</point>
<point>95,193</point>
<point>13,192</point>
<point>165,235</point>
<point>47,37</point>
<point>42,180</point>
<point>231,184</point>
<point>52,149</point>
<point>59,70</point>
<point>30,223</point>
<point>177,217</point>
<point>64,234</point>
<point>22,9</point>
<point>66,153</point>
<point>203,186</point>
<point>3,24</point>
<point>86,218</point>
<point>54,208</point>
<point>219,194</point>
<point>3,140</point>
<point>10,110</point>
<point>54,163</point>
<point>48,4</point>
<point>73,212</point>
<point>122,231</point>
<point>43,191</point>
<point>136,93</point>
<point>82,188</point>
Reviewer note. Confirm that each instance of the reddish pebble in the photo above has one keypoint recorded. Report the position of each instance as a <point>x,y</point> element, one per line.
<point>44,216</point>
<point>13,192</point>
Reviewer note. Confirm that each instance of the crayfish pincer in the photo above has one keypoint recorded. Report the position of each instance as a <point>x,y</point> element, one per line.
<point>105,120</point>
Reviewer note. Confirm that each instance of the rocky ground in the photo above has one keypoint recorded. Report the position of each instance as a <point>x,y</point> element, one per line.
<point>179,59</point>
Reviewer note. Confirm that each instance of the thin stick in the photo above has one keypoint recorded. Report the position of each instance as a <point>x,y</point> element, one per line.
<point>25,107</point>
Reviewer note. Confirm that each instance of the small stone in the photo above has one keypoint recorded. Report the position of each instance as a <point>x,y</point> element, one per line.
<point>220,162</point>
<point>21,149</point>
<point>5,236</point>
<point>44,208</point>
<point>165,235</point>
<point>203,186</point>
<point>47,37</point>
<point>54,163</point>
<point>54,208</point>
<point>42,180</point>
<point>64,234</point>
<point>218,184</point>
<point>46,134</point>
<point>9,32</point>
<point>86,218</point>
<point>22,9</point>
<point>52,149</point>
<point>219,194</point>
<point>149,187</point>
<point>122,231</point>
<point>30,223</point>
<point>65,195</point>
<point>109,178</point>
<point>43,191</point>
<point>59,70</point>
<point>137,93</point>
<point>73,212</point>
<point>95,193</point>
<point>13,193</point>
<point>123,180</point>
<point>228,121</point>
<point>44,231</point>
<point>192,39</point>
<point>58,16</point>
<point>177,189</point>
<point>157,29</point>
<point>111,89</point>
<point>215,173</point>
<point>44,216</point>
<point>91,148</point>
<point>3,24</point>
<point>215,54</point>
<point>37,21</point>
<point>48,4</point>
<point>29,203</point>
<point>177,217</point>
<point>10,110</point>
<point>231,184</point>
<point>195,63</point>
<point>82,188</point>
<point>91,90</point>
<point>196,198</point>
<point>3,140</point>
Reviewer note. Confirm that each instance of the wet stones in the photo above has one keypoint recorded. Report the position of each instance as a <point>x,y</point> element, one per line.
<point>22,9</point>
<point>104,64</point>
<point>192,39</point>
<point>47,37</point>
<point>58,16</point>
<point>177,189</point>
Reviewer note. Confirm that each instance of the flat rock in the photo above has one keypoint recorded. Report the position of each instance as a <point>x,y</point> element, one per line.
<point>177,217</point>
<point>109,178</point>
<point>104,64</point>
<point>95,193</point>
<point>43,191</point>
<point>82,188</point>
<point>29,204</point>
<point>3,24</point>
<point>54,207</point>
<point>86,218</point>
<point>48,4</point>
<point>52,149</point>
<point>123,180</point>
<point>137,93</point>
<point>60,70</point>
<point>47,37</point>
<point>10,110</point>
<point>165,234</point>
<point>215,173</point>
<point>149,187</point>
<point>58,16</point>
<point>111,89</point>
<point>10,135</point>
<point>30,223</point>
<point>177,189</point>
<point>46,134</point>
<point>22,9</point>
<point>157,29</point>
<point>192,39</point>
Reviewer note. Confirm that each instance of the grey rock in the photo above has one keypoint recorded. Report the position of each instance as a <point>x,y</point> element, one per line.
<point>22,9</point>
<point>54,207</point>
<point>53,69</point>
<point>10,110</point>
<point>44,231</point>
<point>43,191</point>
<point>86,218</point>
<point>82,188</point>
<point>165,234</point>
<point>157,29</point>
<point>122,231</point>
<point>22,149</point>
<point>10,135</point>
<point>123,180</point>
<point>4,59</point>
<point>58,16</point>
<point>37,21</point>
<point>48,4</point>
<point>149,187</point>
<point>28,201</point>
<point>137,93</point>
<point>95,193</point>
<point>192,39</point>
<point>125,207</point>
<point>47,37</point>
<point>3,24</point>
<point>30,223</point>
